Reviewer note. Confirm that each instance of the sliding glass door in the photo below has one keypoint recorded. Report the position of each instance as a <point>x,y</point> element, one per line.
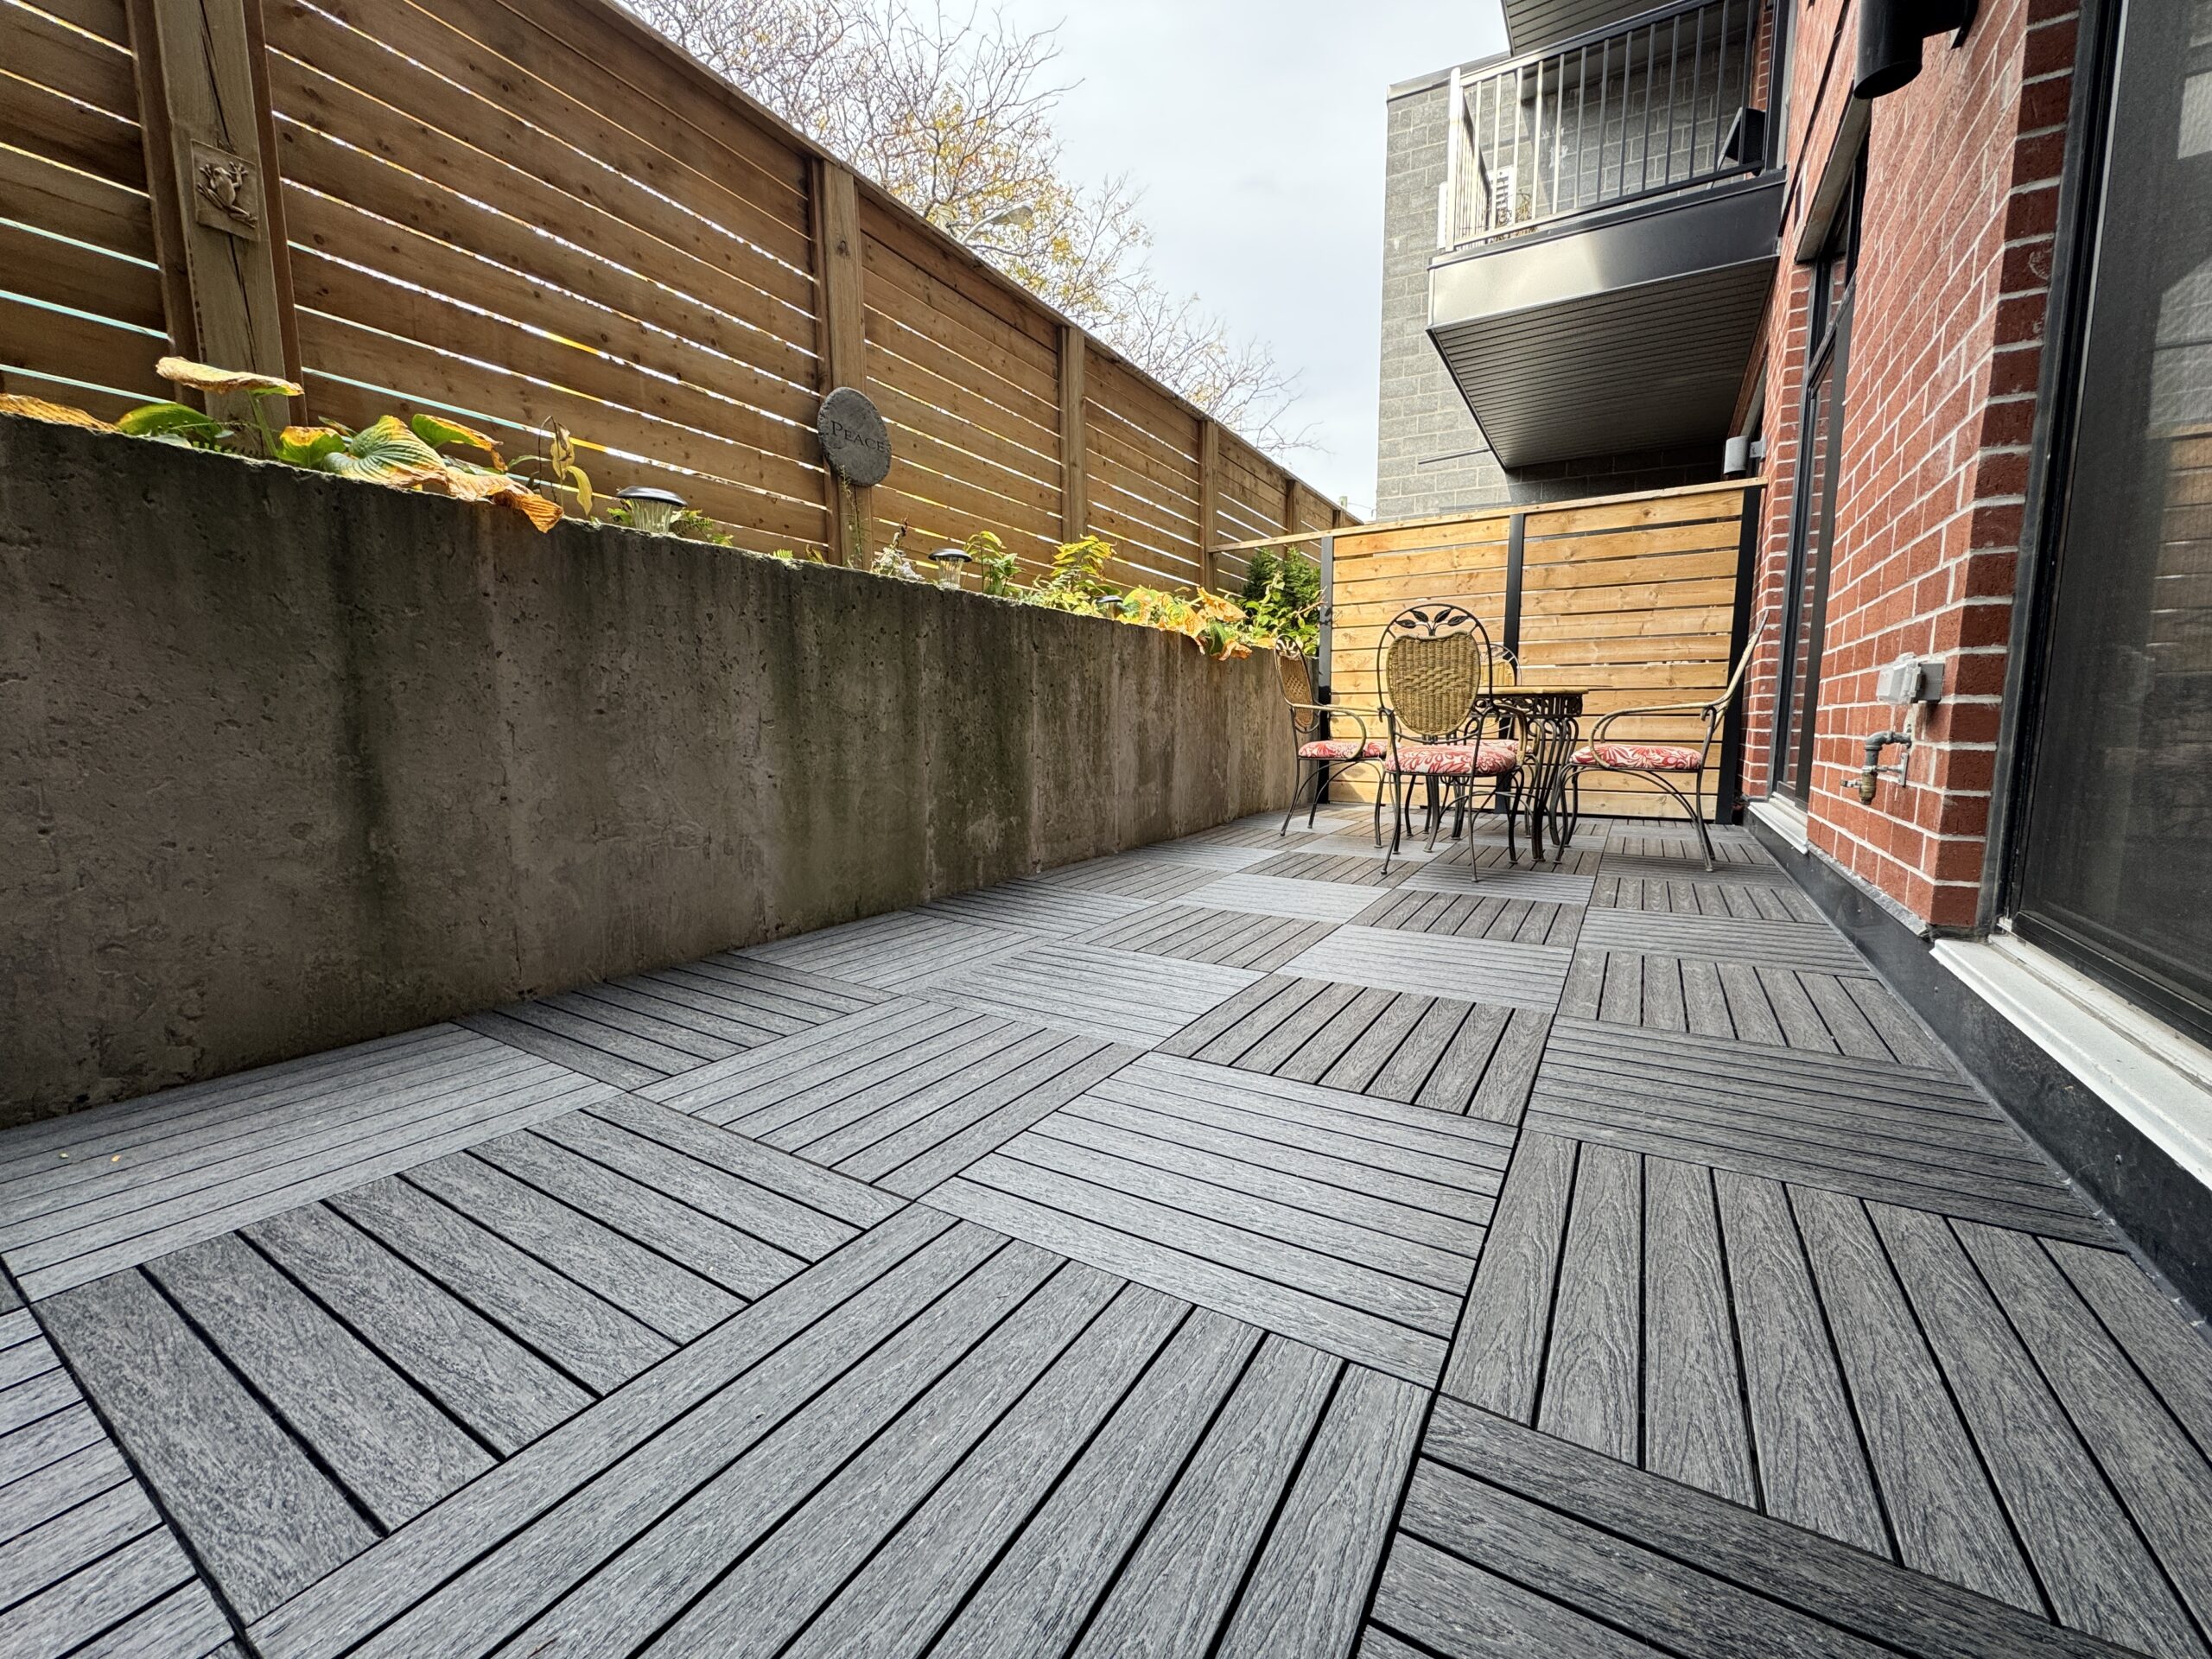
<point>2113,867</point>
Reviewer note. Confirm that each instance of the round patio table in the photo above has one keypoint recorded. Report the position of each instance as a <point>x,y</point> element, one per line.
<point>1548,720</point>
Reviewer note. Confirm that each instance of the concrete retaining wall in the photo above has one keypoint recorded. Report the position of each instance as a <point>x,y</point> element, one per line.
<point>289,762</point>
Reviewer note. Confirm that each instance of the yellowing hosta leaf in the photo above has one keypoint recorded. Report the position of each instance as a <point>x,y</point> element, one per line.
<point>306,446</point>
<point>542,513</point>
<point>60,414</point>
<point>386,453</point>
<point>435,430</point>
<point>204,377</point>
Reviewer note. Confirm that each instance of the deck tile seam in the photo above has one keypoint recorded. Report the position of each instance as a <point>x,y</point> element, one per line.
<point>1161,1074</point>
<point>975,1026</point>
<point>988,1064</point>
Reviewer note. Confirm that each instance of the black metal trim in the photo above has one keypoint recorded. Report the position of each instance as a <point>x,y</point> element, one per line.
<point>1509,632</point>
<point>1728,795</point>
<point>2058,386</point>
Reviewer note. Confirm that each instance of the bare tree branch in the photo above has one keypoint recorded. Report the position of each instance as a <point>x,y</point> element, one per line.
<point>953,115</point>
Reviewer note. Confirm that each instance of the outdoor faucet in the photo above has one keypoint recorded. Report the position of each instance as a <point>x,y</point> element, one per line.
<point>1874,768</point>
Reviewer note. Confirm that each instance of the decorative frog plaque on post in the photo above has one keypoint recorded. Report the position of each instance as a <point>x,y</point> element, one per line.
<point>853,440</point>
<point>226,192</point>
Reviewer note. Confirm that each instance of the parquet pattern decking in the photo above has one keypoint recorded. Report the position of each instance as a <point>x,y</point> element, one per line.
<point>1238,1246</point>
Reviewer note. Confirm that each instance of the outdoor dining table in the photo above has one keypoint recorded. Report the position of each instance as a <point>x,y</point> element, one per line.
<point>1548,722</point>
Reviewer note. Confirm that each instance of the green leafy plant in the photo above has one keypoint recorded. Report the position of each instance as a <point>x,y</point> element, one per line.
<point>1282,598</point>
<point>695,526</point>
<point>405,455</point>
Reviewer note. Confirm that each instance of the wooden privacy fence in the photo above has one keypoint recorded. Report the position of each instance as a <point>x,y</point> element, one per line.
<point>531,213</point>
<point>1640,597</point>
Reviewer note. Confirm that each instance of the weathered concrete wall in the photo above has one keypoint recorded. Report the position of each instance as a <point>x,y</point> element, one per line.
<point>290,762</point>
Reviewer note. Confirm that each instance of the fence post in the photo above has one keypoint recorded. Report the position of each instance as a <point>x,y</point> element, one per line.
<point>1075,448</point>
<point>1728,787</point>
<point>1509,633</point>
<point>841,332</point>
<point>1209,496</point>
<point>219,219</point>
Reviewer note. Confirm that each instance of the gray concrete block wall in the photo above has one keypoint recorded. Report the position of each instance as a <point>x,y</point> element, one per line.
<point>290,762</point>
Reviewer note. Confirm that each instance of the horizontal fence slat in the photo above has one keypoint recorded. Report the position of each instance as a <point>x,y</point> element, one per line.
<point>53,343</point>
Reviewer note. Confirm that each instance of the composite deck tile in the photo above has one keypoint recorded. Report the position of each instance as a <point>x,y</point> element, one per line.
<point>1229,938</point>
<point>1667,933</point>
<point>1310,901</point>
<point>1475,970</point>
<point>1133,876</point>
<point>1510,1537</point>
<point>1746,900</point>
<point>1539,886</point>
<point>1751,1001</point>
<point>1040,905</point>
<point>1690,866</point>
<point>256,1508</point>
<point>1200,855</point>
<point>1233,1234</point>
<point>1437,1052</point>
<point>1883,1145</point>
<point>635,1031</point>
<point>83,1552</point>
<point>911,1102</point>
<point>888,952</point>
<point>1748,1325</point>
<point>1357,868</point>
<point>1935,1390</point>
<point>1118,996</point>
<point>1474,915</point>
<point>251,1153</point>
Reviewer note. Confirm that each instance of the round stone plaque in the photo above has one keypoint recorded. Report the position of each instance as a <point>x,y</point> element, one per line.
<point>853,440</point>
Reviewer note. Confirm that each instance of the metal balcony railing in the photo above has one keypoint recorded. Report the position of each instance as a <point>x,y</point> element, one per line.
<point>1663,105</point>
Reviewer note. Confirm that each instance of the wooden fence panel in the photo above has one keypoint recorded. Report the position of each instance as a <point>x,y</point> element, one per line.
<point>474,235</point>
<point>1145,486</point>
<point>531,213</point>
<point>81,313</point>
<point>1634,597</point>
<point>967,379</point>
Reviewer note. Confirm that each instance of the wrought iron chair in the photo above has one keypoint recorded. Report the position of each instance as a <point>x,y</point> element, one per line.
<point>1664,764</point>
<point>1312,734</point>
<point>1437,669</point>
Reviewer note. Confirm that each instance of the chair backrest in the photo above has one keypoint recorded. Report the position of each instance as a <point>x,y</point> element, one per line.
<point>1297,690</point>
<point>1435,663</point>
<point>1751,642</point>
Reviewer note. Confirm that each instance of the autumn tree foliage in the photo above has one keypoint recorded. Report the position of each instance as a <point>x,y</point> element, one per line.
<point>953,114</point>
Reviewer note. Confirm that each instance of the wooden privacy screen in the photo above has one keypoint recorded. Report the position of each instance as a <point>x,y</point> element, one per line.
<point>532,212</point>
<point>1637,597</point>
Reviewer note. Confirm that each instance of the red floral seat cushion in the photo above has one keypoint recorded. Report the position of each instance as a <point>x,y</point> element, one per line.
<point>1343,748</point>
<point>1640,757</point>
<point>1493,758</point>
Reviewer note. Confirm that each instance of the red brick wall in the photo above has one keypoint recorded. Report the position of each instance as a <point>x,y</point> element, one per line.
<point>1954,268</point>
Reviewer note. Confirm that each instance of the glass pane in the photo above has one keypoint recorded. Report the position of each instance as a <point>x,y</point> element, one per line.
<point>2119,825</point>
<point>1801,682</point>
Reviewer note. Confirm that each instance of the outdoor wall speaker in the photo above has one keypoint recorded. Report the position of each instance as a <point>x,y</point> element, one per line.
<point>1736,456</point>
<point>1890,33</point>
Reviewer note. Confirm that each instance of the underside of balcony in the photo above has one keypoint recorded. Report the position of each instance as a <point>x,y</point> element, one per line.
<point>1629,333</point>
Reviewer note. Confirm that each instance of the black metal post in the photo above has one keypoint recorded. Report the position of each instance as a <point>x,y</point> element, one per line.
<point>1728,788</point>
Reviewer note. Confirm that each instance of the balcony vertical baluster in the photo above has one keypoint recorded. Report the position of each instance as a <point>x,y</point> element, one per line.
<point>1518,161</point>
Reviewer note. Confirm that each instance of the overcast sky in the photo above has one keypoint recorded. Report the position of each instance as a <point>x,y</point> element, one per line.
<point>1254,130</point>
